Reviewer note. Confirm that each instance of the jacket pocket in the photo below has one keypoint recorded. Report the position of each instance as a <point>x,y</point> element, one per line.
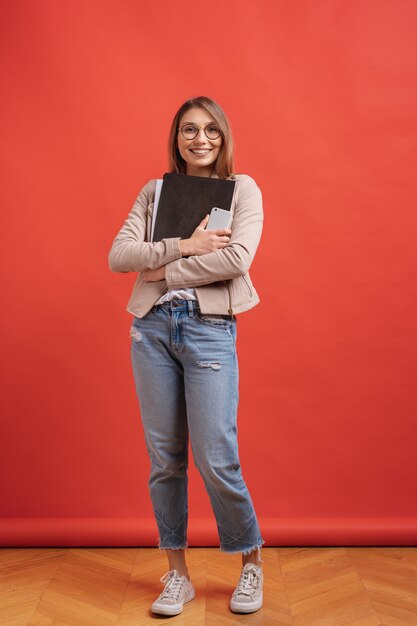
<point>241,290</point>
<point>248,284</point>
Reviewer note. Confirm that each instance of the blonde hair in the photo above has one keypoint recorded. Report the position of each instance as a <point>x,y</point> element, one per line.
<point>223,165</point>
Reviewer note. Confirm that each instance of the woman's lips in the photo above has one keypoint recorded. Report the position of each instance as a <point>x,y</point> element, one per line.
<point>201,154</point>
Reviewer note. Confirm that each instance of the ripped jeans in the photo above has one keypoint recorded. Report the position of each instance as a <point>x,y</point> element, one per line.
<point>186,377</point>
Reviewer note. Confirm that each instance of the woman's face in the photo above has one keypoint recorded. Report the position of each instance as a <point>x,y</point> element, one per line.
<point>198,164</point>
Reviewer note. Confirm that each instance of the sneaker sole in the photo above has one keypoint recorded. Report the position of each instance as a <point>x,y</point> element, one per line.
<point>248,607</point>
<point>175,609</point>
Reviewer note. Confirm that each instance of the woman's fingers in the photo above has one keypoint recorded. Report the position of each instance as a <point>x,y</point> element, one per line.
<point>209,240</point>
<point>221,231</point>
<point>221,242</point>
<point>204,221</point>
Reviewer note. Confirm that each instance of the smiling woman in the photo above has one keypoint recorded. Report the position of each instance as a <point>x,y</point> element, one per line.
<point>200,142</point>
<point>199,138</point>
<point>201,124</point>
<point>184,334</point>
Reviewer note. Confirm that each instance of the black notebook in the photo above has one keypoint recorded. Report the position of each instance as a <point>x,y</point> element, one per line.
<point>185,200</point>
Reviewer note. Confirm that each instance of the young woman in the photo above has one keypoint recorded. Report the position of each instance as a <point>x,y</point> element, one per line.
<point>183,351</point>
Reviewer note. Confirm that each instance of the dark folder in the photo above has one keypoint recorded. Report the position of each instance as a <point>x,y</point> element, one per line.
<point>185,200</point>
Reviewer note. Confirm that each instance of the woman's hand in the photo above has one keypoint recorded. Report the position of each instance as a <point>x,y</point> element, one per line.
<point>203,241</point>
<point>151,276</point>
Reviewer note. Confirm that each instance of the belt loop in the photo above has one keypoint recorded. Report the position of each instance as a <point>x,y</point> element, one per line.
<point>190,308</point>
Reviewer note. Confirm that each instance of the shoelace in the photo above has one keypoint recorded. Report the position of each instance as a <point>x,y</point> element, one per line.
<point>174,585</point>
<point>249,581</point>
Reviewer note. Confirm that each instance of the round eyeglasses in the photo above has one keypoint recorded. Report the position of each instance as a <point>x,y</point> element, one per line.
<point>190,131</point>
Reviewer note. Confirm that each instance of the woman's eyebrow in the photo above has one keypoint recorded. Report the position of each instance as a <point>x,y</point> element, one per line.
<point>186,122</point>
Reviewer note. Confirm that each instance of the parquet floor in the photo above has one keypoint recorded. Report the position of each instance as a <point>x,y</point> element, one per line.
<point>319,586</point>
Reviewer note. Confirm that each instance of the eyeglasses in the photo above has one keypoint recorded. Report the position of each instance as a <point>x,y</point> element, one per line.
<point>190,131</point>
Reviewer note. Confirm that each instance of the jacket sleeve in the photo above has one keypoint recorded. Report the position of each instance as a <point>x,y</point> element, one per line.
<point>129,251</point>
<point>234,259</point>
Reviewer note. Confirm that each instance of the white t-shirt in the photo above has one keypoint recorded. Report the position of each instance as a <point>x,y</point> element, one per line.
<point>187,293</point>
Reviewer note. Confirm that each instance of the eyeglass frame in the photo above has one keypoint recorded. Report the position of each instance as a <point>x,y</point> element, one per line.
<point>198,129</point>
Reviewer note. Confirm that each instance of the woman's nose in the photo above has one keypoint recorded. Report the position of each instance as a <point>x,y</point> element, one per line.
<point>201,134</point>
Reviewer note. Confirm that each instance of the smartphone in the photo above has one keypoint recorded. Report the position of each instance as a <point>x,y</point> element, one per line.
<point>219,218</point>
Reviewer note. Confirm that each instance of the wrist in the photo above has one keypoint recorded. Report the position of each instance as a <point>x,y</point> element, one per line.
<point>185,247</point>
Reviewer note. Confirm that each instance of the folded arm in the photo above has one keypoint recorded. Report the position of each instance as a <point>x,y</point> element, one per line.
<point>130,252</point>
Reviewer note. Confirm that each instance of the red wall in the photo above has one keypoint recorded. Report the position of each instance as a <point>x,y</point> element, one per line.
<point>322,99</point>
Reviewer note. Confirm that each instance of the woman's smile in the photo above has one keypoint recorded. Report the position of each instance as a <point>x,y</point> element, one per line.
<point>200,152</point>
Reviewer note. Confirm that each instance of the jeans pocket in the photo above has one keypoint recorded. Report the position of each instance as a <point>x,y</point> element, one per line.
<point>214,320</point>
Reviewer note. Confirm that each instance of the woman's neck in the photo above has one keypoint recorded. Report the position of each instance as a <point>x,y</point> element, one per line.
<point>201,171</point>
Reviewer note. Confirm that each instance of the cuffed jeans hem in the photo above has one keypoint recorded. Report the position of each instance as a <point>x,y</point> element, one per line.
<point>163,547</point>
<point>235,549</point>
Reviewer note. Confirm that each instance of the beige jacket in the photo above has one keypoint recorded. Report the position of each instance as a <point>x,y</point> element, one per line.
<point>221,278</point>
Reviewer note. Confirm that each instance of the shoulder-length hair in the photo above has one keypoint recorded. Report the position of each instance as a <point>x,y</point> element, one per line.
<point>224,164</point>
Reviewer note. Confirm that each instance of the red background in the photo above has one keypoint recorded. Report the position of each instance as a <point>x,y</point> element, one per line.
<point>322,98</point>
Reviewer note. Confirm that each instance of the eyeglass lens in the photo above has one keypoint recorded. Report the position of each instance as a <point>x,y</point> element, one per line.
<point>190,131</point>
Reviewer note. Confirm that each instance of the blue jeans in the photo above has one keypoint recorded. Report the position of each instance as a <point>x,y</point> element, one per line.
<point>186,377</point>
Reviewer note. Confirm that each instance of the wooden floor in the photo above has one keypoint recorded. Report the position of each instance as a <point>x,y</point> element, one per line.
<point>116,586</point>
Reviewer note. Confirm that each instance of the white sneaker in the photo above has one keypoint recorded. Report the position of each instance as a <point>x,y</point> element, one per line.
<point>178,590</point>
<point>248,595</point>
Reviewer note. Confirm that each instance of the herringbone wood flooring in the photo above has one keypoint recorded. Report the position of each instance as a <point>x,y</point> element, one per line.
<point>321,586</point>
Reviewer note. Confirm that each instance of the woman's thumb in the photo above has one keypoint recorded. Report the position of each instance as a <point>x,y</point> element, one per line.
<point>205,220</point>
